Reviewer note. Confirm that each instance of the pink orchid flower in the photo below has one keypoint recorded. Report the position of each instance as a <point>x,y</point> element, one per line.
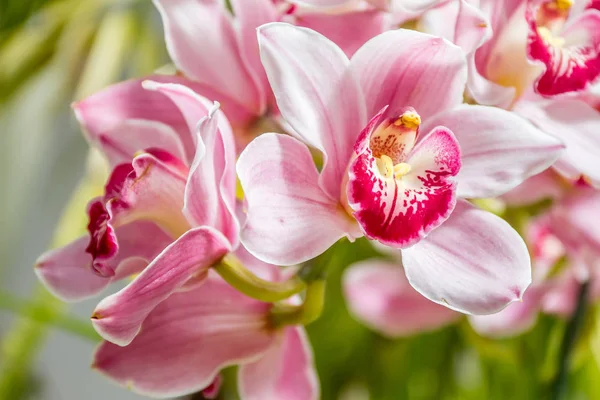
<point>385,179</point>
<point>547,46</point>
<point>513,54</point>
<point>218,49</point>
<point>187,339</point>
<point>378,295</point>
<point>166,214</point>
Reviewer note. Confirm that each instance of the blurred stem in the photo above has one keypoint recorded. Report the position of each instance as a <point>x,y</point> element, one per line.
<point>19,347</point>
<point>238,276</point>
<point>305,313</point>
<point>572,330</point>
<point>43,314</point>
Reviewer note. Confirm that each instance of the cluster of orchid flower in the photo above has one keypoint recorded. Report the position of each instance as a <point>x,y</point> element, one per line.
<point>337,123</point>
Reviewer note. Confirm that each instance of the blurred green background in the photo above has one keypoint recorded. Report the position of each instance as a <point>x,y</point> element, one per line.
<point>54,52</point>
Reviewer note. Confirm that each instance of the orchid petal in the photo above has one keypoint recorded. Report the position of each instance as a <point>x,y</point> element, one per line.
<point>322,3</point>
<point>515,319</point>
<point>474,263</point>
<point>210,190</point>
<point>187,340</point>
<point>348,30</point>
<point>67,272</point>
<point>121,143</point>
<point>109,108</point>
<point>402,68</point>
<point>470,30</point>
<point>315,93</point>
<point>574,221</point>
<point>192,106</point>
<point>248,20</point>
<point>578,126</point>
<point>499,149</point>
<point>285,202</point>
<point>379,295</point>
<point>285,371</point>
<point>545,185</point>
<point>195,29</point>
<point>118,318</point>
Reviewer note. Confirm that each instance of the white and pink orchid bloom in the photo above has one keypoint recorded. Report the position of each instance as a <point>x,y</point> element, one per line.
<point>165,214</point>
<point>385,179</point>
<point>187,339</point>
<point>217,48</point>
<point>513,55</point>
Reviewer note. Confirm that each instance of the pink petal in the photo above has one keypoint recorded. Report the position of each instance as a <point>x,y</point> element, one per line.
<point>570,67</point>
<point>123,141</point>
<point>474,263</point>
<point>400,211</point>
<point>210,190</point>
<point>574,220</point>
<point>469,27</point>
<point>498,55</point>
<point>403,68</point>
<point>286,371</point>
<point>499,149</point>
<point>118,318</point>
<point>191,105</point>
<point>187,340</point>
<point>409,6</point>
<point>348,30</point>
<point>248,20</point>
<point>561,300</point>
<point>322,3</point>
<point>67,272</point>
<point>202,42</point>
<point>109,108</point>
<point>516,318</point>
<point>578,126</point>
<point>460,22</point>
<point>378,294</point>
<point>545,185</point>
<point>315,93</point>
<point>290,218</point>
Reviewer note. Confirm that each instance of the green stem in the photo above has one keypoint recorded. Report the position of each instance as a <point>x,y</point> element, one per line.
<point>568,343</point>
<point>238,276</point>
<point>305,313</point>
<point>46,315</point>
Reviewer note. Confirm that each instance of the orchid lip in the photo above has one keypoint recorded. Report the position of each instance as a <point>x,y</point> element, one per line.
<point>398,190</point>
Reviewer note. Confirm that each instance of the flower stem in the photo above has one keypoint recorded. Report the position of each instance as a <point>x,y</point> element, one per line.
<point>238,276</point>
<point>48,315</point>
<point>568,343</point>
<point>305,313</point>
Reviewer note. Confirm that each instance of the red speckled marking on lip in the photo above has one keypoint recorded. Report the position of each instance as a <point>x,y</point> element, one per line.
<point>398,212</point>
